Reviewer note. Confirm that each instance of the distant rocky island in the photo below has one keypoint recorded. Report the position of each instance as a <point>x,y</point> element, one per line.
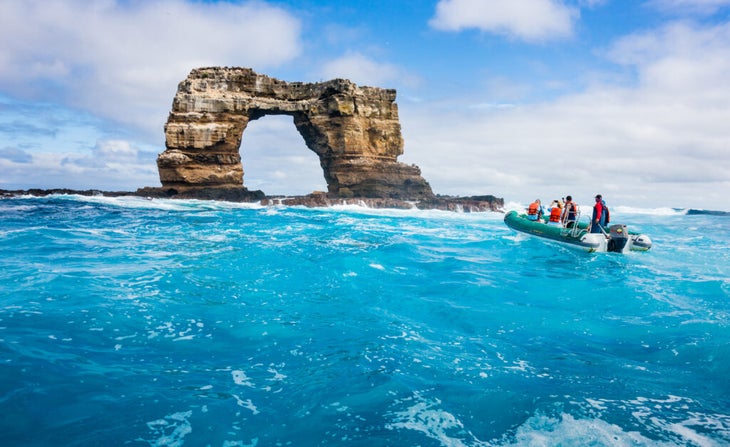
<point>355,131</point>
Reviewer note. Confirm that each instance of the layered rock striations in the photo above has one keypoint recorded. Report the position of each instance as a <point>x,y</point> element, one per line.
<point>355,132</point>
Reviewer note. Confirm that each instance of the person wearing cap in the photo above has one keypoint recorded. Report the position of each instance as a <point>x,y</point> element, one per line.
<point>600,215</point>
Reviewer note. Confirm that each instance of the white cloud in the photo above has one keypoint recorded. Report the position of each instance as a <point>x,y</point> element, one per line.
<point>15,155</point>
<point>364,71</point>
<point>703,7</point>
<point>123,60</point>
<point>663,140</point>
<point>530,20</point>
<point>111,165</point>
<point>682,63</point>
<point>115,150</point>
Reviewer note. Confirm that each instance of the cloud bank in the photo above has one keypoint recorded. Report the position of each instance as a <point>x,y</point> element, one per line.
<point>122,60</point>
<point>662,139</point>
<point>530,20</point>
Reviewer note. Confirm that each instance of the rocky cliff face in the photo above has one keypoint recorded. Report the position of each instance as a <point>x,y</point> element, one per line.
<point>354,130</point>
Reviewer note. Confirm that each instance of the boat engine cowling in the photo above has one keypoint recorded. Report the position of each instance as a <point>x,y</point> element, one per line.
<point>618,237</point>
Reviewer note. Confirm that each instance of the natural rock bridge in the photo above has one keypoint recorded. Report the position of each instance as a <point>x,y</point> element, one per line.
<point>354,130</point>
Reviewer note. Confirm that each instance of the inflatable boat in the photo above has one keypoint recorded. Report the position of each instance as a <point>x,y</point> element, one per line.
<point>616,238</point>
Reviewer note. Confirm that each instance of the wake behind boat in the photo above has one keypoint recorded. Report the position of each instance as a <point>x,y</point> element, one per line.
<point>617,239</point>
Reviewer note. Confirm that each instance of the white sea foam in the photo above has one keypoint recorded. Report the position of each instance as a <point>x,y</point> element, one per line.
<point>136,202</point>
<point>361,208</point>
<point>254,443</point>
<point>278,377</point>
<point>184,337</point>
<point>542,431</point>
<point>514,206</point>
<point>671,416</point>
<point>413,212</point>
<point>170,430</point>
<point>247,404</point>
<point>240,378</point>
<point>425,416</point>
<point>18,208</point>
<point>664,211</point>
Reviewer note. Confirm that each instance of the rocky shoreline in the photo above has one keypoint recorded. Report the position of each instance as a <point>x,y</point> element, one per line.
<point>469,204</point>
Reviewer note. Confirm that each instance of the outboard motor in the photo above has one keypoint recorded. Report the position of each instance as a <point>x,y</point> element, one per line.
<point>618,237</point>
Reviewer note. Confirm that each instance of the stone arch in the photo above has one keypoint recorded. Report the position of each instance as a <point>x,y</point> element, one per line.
<point>354,131</point>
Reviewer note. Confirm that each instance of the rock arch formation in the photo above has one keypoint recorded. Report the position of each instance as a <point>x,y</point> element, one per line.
<point>354,130</point>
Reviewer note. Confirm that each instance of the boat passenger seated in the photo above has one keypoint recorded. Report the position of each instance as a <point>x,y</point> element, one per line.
<point>555,210</point>
<point>535,211</point>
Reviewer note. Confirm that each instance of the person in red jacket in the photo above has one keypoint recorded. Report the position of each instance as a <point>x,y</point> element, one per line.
<point>600,215</point>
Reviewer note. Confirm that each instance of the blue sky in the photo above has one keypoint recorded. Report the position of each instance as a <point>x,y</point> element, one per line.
<point>516,98</point>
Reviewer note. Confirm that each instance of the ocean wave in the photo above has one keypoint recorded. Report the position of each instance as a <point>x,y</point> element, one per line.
<point>566,429</point>
<point>666,211</point>
<point>431,214</point>
<point>661,211</point>
<point>428,417</point>
<point>134,202</point>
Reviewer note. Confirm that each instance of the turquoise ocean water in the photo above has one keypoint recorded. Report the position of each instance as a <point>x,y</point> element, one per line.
<point>130,322</point>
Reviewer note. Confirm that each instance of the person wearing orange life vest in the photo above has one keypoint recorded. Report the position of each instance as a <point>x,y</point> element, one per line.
<point>535,211</point>
<point>556,210</point>
<point>570,213</point>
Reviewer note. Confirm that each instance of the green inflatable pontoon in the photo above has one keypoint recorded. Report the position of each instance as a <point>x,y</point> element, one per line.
<point>616,239</point>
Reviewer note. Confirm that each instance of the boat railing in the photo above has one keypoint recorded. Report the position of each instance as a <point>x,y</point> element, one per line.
<point>573,230</point>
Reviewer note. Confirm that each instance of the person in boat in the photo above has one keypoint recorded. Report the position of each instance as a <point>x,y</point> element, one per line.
<point>535,211</point>
<point>570,213</point>
<point>600,217</point>
<point>555,210</point>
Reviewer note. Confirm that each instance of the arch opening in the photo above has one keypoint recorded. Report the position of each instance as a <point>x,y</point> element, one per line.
<point>276,159</point>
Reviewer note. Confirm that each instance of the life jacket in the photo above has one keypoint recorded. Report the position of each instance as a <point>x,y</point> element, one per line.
<point>605,215</point>
<point>555,213</point>
<point>533,209</point>
<point>570,211</point>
